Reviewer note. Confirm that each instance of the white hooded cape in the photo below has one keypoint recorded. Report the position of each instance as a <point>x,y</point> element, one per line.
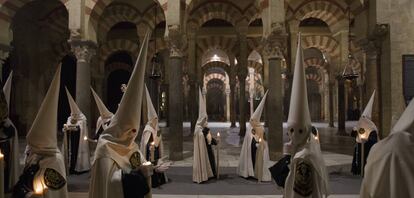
<point>116,145</point>
<point>201,164</point>
<point>42,141</point>
<point>389,170</point>
<point>307,173</point>
<point>83,159</point>
<point>148,130</point>
<point>245,168</point>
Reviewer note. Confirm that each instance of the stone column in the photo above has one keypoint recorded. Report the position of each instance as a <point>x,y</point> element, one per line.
<point>232,93</point>
<point>175,104</point>
<point>192,68</point>
<point>4,53</point>
<point>84,51</point>
<point>274,103</point>
<point>341,105</point>
<point>242,74</point>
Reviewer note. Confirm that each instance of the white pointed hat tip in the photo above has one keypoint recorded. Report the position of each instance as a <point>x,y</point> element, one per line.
<point>406,120</point>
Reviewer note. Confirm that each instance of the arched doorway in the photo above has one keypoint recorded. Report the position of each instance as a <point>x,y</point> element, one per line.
<point>114,93</point>
<point>216,100</point>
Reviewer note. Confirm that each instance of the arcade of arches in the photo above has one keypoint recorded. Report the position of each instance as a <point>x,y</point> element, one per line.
<point>235,50</point>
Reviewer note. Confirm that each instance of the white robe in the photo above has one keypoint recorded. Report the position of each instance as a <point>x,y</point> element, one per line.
<point>83,159</point>
<point>245,168</point>
<point>14,157</point>
<point>56,162</point>
<point>389,171</point>
<point>311,154</point>
<point>201,164</point>
<point>146,134</point>
<point>106,181</point>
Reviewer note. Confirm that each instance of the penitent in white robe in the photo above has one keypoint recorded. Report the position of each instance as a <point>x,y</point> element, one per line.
<point>307,174</point>
<point>83,159</point>
<point>146,134</point>
<point>390,168</point>
<point>201,164</point>
<point>245,168</point>
<point>106,181</point>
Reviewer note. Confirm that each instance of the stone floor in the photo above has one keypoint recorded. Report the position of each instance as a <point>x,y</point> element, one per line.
<point>337,152</point>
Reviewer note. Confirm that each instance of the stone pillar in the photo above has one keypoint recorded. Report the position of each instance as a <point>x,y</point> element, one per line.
<point>84,51</point>
<point>232,93</point>
<point>274,103</point>
<point>242,74</point>
<point>175,104</point>
<point>228,104</point>
<point>192,69</point>
<point>4,53</point>
<point>341,105</point>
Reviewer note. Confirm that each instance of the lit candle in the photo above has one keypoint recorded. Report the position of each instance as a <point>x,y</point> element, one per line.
<point>152,151</point>
<point>1,175</point>
<point>85,138</point>
<point>218,156</point>
<point>38,186</point>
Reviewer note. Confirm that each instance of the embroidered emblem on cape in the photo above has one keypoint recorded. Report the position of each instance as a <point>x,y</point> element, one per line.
<point>53,179</point>
<point>303,179</point>
<point>135,160</point>
<point>361,131</point>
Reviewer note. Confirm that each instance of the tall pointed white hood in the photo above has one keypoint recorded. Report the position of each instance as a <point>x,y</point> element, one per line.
<point>202,110</point>
<point>7,88</point>
<point>41,137</point>
<point>103,111</point>
<point>255,118</point>
<point>299,122</point>
<point>74,109</point>
<point>151,113</point>
<point>368,109</point>
<point>405,123</point>
<point>126,121</point>
<point>365,125</point>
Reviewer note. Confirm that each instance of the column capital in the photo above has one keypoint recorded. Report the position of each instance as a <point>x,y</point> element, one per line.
<point>273,46</point>
<point>83,50</point>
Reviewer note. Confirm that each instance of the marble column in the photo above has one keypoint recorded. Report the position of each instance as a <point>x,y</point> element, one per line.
<point>175,103</point>
<point>242,74</point>
<point>232,93</point>
<point>192,79</point>
<point>84,51</point>
<point>275,104</point>
<point>228,105</point>
<point>341,106</point>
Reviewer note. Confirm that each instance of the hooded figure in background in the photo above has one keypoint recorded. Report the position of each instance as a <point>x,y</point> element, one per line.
<point>254,156</point>
<point>119,168</point>
<point>76,136</point>
<point>389,171</point>
<point>307,176</point>
<point>365,132</point>
<point>151,142</point>
<point>204,164</point>
<point>9,143</point>
<point>44,173</point>
<point>105,116</point>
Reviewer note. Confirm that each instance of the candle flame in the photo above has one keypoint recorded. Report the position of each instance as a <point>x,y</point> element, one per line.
<point>85,138</point>
<point>260,140</point>
<point>147,163</point>
<point>152,143</point>
<point>38,186</point>
<point>218,134</point>
<point>1,155</point>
